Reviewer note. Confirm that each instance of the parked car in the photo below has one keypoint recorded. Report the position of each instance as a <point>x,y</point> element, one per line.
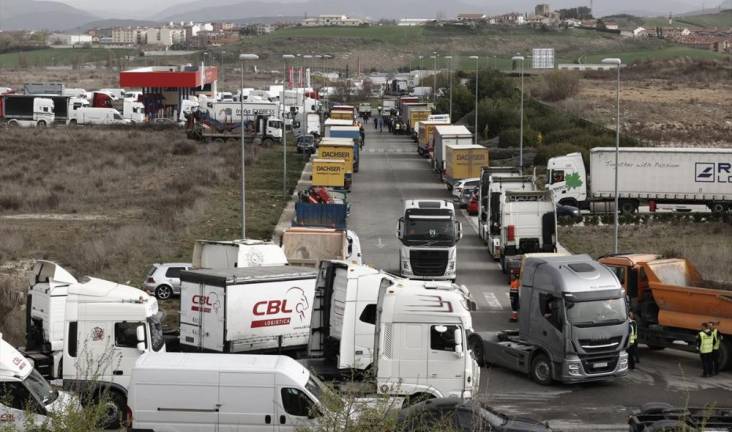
<point>466,196</point>
<point>473,205</point>
<point>457,188</point>
<point>461,415</point>
<point>163,280</point>
<point>306,143</point>
<point>568,213</point>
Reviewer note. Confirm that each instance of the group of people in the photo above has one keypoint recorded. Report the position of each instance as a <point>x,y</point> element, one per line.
<point>708,342</point>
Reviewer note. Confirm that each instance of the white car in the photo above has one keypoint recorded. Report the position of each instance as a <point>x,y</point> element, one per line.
<point>457,188</point>
<point>163,280</point>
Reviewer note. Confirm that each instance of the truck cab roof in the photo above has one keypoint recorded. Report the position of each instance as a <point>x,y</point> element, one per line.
<point>574,275</point>
<point>409,302</point>
<point>51,278</point>
<point>245,275</point>
<point>93,290</point>
<point>428,204</point>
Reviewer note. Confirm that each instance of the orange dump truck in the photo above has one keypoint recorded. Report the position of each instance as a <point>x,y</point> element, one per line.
<point>671,300</point>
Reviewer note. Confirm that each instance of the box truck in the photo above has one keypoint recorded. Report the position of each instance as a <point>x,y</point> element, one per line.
<point>484,195</point>
<point>646,176</point>
<point>236,253</point>
<point>27,111</point>
<point>307,246</point>
<point>464,161</point>
<point>429,232</point>
<point>340,149</point>
<point>573,324</point>
<point>444,135</point>
<point>496,194</point>
<point>331,122</point>
<point>329,172</point>
<point>207,392</point>
<point>671,300</point>
<point>251,309</point>
<point>424,135</point>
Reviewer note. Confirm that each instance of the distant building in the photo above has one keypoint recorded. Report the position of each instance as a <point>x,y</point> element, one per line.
<point>640,32</point>
<point>542,10</point>
<point>411,22</point>
<point>611,25</point>
<point>571,22</point>
<point>128,36</point>
<point>332,20</point>
<point>471,17</point>
<point>69,39</point>
<point>512,18</point>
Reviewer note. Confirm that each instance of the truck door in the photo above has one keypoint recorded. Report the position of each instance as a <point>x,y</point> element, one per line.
<point>246,402</point>
<point>549,330</point>
<point>295,410</point>
<point>211,305</point>
<point>125,352</point>
<point>445,367</point>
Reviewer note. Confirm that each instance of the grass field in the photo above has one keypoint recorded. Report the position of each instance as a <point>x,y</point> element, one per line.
<point>707,245</point>
<point>61,56</point>
<point>664,53</point>
<point>722,20</point>
<point>109,203</point>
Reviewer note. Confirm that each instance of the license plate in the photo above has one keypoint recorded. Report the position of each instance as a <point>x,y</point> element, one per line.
<point>600,364</point>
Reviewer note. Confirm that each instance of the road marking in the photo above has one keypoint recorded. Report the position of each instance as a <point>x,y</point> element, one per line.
<point>472,221</point>
<point>492,300</point>
<point>380,244</point>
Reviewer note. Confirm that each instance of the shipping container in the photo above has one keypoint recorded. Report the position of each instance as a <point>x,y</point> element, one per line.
<point>329,172</point>
<point>320,215</point>
<point>441,137</point>
<point>464,161</point>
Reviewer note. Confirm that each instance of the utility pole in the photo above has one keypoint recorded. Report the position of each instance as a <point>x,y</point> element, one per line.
<point>617,62</point>
<point>284,131</point>
<point>475,133</point>
<point>242,58</point>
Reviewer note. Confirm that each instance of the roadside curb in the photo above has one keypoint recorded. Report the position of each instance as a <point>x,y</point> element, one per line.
<point>288,212</point>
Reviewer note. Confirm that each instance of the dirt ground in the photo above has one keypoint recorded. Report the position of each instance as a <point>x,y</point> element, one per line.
<point>665,110</point>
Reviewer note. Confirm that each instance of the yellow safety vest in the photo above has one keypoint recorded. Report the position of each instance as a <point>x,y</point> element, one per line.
<point>706,344</point>
<point>717,339</point>
<point>633,332</point>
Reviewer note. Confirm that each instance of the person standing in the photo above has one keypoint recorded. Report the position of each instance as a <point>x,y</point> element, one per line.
<point>716,342</point>
<point>705,346</point>
<point>633,356</point>
<point>513,294</point>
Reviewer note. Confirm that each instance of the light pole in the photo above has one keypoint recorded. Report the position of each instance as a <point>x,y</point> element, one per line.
<point>475,133</point>
<point>223,82</point>
<point>449,58</point>
<point>521,130</point>
<point>284,132</point>
<point>434,78</point>
<point>617,62</point>
<point>242,58</point>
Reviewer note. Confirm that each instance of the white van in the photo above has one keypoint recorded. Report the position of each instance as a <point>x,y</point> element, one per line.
<point>182,392</point>
<point>97,116</point>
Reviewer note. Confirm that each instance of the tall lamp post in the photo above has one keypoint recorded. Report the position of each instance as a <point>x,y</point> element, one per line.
<point>284,131</point>
<point>223,81</point>
<point>617,62</point>
<point>434,77</point>
<point>475,134</point>
<point>242,59</point>
<point>449,59</point>
<point>521,130</point>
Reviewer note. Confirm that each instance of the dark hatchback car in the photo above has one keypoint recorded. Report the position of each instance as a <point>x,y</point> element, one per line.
<point>306,143</point>
<point>456,414</point>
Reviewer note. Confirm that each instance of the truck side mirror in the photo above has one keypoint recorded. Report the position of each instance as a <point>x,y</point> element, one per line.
<point>458,336</point>
<point>140,333</point>
<point>459,230</point>
<point>400,228</point>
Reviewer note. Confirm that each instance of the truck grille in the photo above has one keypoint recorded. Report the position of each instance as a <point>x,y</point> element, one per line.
<point>599,364</point>
<point>597,345</point>
<point>428,262</point>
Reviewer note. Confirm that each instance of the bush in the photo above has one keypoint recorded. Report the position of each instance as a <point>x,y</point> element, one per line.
<point>510,138</point>
<point>559,85</point>
<point>184,148</point>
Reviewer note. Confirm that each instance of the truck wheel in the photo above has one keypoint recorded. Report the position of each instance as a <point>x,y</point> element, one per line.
<point>725,355</point>
<point>163,292</point>
<point>541,369</point>
<point>416,398</point>
<point>41,123</point>
<point>113,409</point>
<point>73,123</point>
<point>717,207</point>
<point>476,346</point>
<point>13,124</point>
<point>628,207</point>
<point>267,142</point>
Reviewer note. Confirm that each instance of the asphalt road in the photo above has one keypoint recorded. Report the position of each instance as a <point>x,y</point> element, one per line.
<point>391,171</point>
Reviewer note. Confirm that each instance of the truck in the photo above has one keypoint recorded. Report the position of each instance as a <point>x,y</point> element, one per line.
<point>444,135</point>
<point>351,132</point>
<point>527,223</point>
<point>647,176</point>
<point>89,333</point>
<point>200,127</point>
<point>367,320</point>
<point>671,299</point>
<point>236,253</point>
<point>573,324</point>
<point>97,116</point>
<point>463,161</point>
<point>413,113</point>
<point>249,309</point>
<point>329,172</point>
<point>424,135</point>
<point>324,215</point>
<point>50,88</point>
<point>307,246</point>
<point>484,195</point>
<point>26,398</point>
<point>364,110</point>
<point>343,112</point>
<point>311,124</point>
<point>133,111</point>
<point>499,185</point>
<point>340,149</point>
<point>429,232</point>
<point>26,111</point>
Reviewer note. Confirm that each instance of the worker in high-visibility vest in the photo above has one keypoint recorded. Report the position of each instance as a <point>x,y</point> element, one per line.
<point>633,357</point>
<point>717,341</point>
<point>513,294</point>
<point>705,346</point>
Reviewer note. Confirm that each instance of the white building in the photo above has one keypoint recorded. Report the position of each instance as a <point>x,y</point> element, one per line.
<point>127,35</point>
<point>332,20</point>
<point>69,39</point>
<point>412,22</point>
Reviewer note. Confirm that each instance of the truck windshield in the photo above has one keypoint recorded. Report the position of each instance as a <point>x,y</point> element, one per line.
<point>320,390</point>
<point>597,312</point>
<point>429,232</point>
<point>40,388</point>
<point>156,331</point>
<point>275,124</point>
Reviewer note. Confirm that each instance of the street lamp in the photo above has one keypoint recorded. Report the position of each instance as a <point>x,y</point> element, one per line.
<point>434,77</point>
<point>223,82</point>
<point>521,130</point>
<point>617,62</point>
<point>242,59</point>
<point>449,58</point>
<point>285,57</point>
<point>475,137</point>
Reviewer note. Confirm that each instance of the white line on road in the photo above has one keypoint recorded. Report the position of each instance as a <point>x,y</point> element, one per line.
<point>492,300</point>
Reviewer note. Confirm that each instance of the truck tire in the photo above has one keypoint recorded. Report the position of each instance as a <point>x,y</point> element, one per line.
<point>717,207</point>
<point>628,207</point>
<point>416,398</point>
<point>41,123</point>
<point>114,408</point>
<point>13,124</point>
<point>541,369</point>
<point>73,123</point>
<point>476,346</point>
<point>725,355</point>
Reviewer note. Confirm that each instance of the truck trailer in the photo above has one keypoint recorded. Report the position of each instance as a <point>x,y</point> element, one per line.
<point>573,324</point>
<point>27,111</point>
<point>484,195</point>
<point>464,161</point>
<point>646,176</point>
<point>444,135</point>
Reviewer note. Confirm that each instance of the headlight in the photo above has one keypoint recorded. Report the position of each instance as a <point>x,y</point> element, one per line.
<point>623,363</point>
<point>574,368</point>
<point>405,265</point>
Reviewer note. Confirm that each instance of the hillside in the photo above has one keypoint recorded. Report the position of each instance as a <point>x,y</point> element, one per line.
<point>41,15</point>
<point>722,20</point>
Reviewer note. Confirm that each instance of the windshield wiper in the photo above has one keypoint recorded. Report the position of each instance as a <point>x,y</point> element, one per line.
<point>584,323</point>
<point>610,321</point>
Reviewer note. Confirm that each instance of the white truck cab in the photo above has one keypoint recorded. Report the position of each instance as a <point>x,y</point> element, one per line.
<point>567,179</point>
<point>496,195</point>
<point>133,110</point>
<point>429,232</point>
<point>24,392</point>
